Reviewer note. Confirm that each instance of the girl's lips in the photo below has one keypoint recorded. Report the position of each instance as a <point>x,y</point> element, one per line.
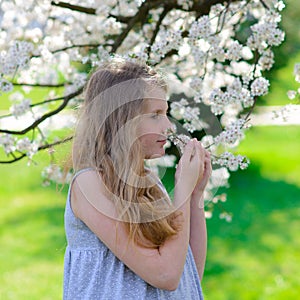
<point>162,141</point>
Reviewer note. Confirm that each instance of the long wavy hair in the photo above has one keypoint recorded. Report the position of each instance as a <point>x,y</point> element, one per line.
<point>106,140</point>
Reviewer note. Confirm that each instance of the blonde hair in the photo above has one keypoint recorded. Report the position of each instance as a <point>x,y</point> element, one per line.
<point>106,140</point>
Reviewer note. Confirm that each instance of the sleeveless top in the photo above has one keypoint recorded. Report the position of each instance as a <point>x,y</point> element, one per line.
<point>93,272</point>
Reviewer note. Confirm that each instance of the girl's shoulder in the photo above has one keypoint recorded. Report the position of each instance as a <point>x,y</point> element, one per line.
<point>88,187</point>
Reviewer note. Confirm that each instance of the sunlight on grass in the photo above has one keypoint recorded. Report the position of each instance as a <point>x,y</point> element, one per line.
<point>276,151</point>
<point>281,81</point>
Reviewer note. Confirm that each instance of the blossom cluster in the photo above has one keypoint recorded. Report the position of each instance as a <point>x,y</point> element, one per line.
<point>7,142</point>
<point>44,44</point>
<point>26,146</point>
<point>10,144</point>
<point>226,159</point>
<point>18,109</point>
<point>232,133</point>
<point>179,140</point>
<point>168,40</point>
<point>180,110</point>
<point>15,58</point>
<point>231,161</point>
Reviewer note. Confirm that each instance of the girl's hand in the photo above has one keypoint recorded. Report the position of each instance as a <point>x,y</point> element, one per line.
<point>203,180</point>
<point>190,165</point>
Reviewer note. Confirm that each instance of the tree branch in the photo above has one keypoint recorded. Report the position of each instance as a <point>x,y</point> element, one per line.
<point>140,16</point>
<point>40,85</point>
<point>203,7</point>
<point>13,160</point>
<point>200,7</point>
<point>43,147</point>
<point>45,116</point>
<point>156,30</point>
<point>86,10</point>
<point>47,146</point>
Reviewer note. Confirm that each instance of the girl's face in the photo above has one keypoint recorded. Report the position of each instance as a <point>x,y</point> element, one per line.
<point>152,127</point>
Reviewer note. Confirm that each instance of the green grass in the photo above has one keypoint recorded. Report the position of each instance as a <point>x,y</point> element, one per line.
<point>256,256</point>
<point>31,233</point>
<point>281,81</point>
<point>276,151</point>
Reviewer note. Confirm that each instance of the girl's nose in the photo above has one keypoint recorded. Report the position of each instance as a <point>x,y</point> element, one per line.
<point>167,124</point>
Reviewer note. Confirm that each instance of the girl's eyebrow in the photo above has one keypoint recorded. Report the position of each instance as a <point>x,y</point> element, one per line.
<point>159,109</point>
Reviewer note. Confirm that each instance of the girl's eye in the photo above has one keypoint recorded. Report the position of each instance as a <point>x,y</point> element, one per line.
<point>155,116</point>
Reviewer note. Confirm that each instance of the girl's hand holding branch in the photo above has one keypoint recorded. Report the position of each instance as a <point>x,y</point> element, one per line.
<point>191,163</point>
<point>197,194</point>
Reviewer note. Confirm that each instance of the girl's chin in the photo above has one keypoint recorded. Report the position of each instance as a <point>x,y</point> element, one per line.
<point>156,155</point>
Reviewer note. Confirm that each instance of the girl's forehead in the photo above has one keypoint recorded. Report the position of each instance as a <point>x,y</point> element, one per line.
<point>155,104</point>
<point>154,92</point>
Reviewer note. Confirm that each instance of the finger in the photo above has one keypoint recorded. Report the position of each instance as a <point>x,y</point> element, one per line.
<point>189,150</point>
<point>197,151</point>
<point>202,150</point>
<point>207,153</point>
<point>208,166</point>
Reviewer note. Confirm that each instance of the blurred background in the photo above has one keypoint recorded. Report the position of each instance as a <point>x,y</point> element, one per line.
<point>254,256</point>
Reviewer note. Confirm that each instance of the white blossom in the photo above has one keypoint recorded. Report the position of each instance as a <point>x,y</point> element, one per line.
<point>16,57</point>
<point>199,57</point>
<point>232,133</point>
<point>234,51</point>
<point>291,94</point>
<point>259,87</point>
<point>231,161</point>
<point>283,113</point>
<point>279,5</point>
<point>21,108</point>
<point>226,216</point>
<point>166,41</point>
<point>179,140</point>
<point>7,142</point>
<point>26,146</point>
<point>200,29</point>
<point>5,85</point>
<point>79,81</point>
<point>297,72</point>
<point>217,53</point>
<point>112,26</point>
<point>264,35</point>
<point>186,4</point>
<point>266,60</point>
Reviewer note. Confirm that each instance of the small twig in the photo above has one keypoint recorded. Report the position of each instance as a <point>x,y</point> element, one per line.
<point>264,4</point>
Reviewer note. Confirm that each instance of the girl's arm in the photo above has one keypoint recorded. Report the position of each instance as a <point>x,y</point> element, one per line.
<point>161,267</point>
<point>198,233</point>
<point>198,236</point>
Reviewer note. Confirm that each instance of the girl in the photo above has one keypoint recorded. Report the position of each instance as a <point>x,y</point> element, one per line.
<point>126,238</point>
